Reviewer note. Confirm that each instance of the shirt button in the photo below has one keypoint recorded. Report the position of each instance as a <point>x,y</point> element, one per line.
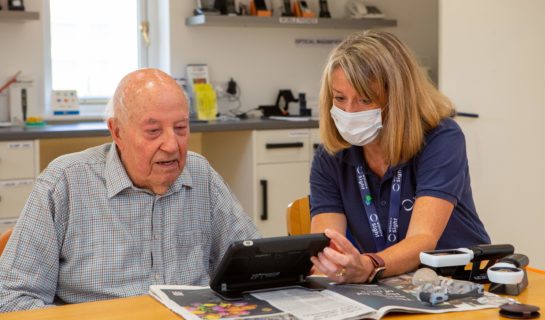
<point>157,277</point>
<point>383,203</point>
<point>156,237</point>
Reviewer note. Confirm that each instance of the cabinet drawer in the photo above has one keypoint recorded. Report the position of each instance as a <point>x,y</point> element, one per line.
<point>275,146</point>
<point>13,196</point>
<point>16,160</point>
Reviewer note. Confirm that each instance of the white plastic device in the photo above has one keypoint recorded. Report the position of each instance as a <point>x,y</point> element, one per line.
<point>505,273</point>
<point>446,258</point>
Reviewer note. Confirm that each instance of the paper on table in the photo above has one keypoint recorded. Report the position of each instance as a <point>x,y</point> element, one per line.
<point>313,305</point>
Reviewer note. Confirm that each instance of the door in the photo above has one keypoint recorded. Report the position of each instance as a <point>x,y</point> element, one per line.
<point>492,62</point>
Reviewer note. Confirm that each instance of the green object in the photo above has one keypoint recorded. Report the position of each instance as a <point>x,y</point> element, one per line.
<point>35,124</point>
<point>368,199</point>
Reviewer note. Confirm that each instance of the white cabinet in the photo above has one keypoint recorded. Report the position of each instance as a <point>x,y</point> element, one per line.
<point>18,169</point>
<point>266,170</point>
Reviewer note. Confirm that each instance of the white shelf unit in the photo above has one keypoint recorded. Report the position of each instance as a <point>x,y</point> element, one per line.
<point>18,16</point>
<point>287,22</point>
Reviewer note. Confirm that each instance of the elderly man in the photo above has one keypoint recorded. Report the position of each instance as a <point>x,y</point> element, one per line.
<point>112,220</point>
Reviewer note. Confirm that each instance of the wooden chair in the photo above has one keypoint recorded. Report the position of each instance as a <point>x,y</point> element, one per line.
<point>4,239</point>
<point>298,217</point>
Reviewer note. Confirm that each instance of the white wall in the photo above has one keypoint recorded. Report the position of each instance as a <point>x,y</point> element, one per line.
<point>491,63</point>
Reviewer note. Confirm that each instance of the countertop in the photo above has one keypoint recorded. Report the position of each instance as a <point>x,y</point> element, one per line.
<point>97,129</point>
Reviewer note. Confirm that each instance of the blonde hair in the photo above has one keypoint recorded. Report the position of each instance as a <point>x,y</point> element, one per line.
<point>380,67</point>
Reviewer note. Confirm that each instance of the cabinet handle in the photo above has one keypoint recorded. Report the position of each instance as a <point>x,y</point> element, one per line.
<point>284,145</point>
<point>466,114</point>
<point>315,146</point>
<point>264,214</point>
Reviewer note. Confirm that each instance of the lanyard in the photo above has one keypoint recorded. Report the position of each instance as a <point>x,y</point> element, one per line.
<point>371,210</point>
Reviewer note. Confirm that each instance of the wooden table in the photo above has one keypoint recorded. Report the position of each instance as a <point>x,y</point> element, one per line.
<point>145,307</point>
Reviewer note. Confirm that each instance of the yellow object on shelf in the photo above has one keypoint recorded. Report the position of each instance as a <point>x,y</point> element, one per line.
<point>35,121</point>
<point>205,101</point>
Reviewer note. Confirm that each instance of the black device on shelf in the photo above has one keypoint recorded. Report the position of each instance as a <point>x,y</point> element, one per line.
<point>303,110</point>
<point>205,7</point>
<point>324,9</point>
<point>16,5</point>
<point>260,5</point>
<point>283,99</point>
<point>226,7</point>
<point>287,9</point>
<point>267,263</point>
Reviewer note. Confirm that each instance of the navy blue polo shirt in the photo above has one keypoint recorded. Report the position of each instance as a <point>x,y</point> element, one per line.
<point>439,170</point>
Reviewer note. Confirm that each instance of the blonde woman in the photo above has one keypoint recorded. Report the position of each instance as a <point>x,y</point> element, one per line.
<point>392,178</point>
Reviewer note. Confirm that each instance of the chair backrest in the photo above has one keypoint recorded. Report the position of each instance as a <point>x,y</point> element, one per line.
<point>298,217</point>
<point>4,239</point>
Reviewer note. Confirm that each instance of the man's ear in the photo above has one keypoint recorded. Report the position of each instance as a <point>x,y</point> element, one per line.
<point>113,127</point>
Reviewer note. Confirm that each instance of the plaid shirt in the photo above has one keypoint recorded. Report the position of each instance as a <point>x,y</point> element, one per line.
<point>87,233</point>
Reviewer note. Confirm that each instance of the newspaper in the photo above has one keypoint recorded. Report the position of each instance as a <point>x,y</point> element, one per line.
<point>336,302</point>
<point>202,303</point>
<point>397,294</point>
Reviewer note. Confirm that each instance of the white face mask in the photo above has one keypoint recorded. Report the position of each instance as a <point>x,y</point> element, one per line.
<point>357,128</point>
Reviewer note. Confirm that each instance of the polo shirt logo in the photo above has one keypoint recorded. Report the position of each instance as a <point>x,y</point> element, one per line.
<point>407,205</point>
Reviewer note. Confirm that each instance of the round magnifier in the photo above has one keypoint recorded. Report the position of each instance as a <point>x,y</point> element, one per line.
<point>505,273</point>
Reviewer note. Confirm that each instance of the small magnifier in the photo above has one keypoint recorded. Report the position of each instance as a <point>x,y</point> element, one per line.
<point>505,273</point>
<point>508,275</point>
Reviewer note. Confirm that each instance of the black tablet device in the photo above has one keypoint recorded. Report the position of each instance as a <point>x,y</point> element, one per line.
<point>267,263</point>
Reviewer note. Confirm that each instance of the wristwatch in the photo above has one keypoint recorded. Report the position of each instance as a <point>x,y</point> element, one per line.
<point>379,267</point>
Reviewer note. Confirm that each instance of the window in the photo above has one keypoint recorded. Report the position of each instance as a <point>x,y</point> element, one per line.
<point>93,44</point>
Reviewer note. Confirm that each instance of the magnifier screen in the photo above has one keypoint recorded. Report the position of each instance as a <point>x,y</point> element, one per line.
<point>445,252</point>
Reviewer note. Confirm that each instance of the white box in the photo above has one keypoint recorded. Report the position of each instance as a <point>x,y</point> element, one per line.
<point>64,102</point>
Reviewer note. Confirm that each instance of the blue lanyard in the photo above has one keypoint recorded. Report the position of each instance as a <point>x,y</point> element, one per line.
<point>371,210</point>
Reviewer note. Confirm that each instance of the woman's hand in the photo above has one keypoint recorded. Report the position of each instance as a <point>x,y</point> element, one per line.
<point>341,261</point>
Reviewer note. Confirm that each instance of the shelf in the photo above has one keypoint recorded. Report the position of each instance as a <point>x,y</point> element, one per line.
<point>18,16</point>
<point>287,22</point>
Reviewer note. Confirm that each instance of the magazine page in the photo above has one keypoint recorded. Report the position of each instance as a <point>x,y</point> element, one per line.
<point>398,294</point>
<point>202,303</point>
<point>314,305</point>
